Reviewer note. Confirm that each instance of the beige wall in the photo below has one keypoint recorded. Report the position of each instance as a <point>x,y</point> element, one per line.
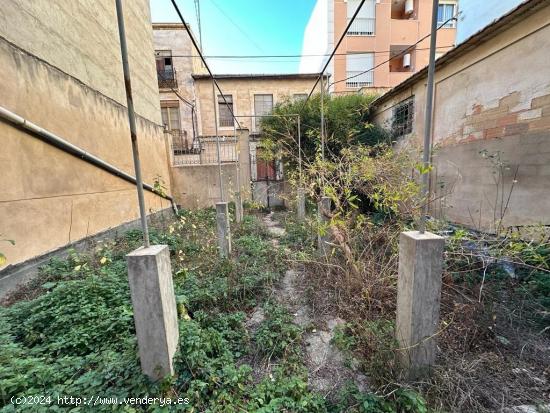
<point>81,39</point>
<point>47,197</point>
<point>243,91</point>
<point>495,98</point>
<point>388,32</point>
<point>197,186</point>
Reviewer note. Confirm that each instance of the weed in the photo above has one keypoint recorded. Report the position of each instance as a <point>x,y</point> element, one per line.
<point>277,334</point>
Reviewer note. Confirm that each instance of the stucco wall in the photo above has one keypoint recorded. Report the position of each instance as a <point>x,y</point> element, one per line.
<point>47,197</point>
<point>243,91</point>
<point>494,99</point>
<point>81,38</point>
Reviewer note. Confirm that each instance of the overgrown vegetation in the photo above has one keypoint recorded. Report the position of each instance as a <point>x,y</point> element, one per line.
<point>71,332</point>
<point>494,327</point>
<point>346,120</point>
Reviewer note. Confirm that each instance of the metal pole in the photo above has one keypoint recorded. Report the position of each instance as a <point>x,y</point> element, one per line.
<point>217,140</point>
<point>132,120</point>
<point>300,152</point>
<point>237,160</point>
<point>428,119</point>
<point>322,118</point>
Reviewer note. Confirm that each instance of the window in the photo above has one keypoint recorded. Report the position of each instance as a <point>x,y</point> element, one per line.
<point>225,110</point>
<point>165,70</point>
<point>299,96</point>
<point>445,11</point>
<point>365,21</point>
<point>403,114</point>
<point>263,105</point>
<point>171,115</point>
<point>356,65</point>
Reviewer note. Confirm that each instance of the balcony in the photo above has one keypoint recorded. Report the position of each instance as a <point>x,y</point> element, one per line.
<point>167,79</point>
<point>362,27</point>
<point>360,80</point>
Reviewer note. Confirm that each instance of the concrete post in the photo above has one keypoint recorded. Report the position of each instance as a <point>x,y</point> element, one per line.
<point>300,204</point>
<point>224,231</point>
<point>155,313</point>
<point>323,211</point>
<point>239,213</point>
<point>418,300</point>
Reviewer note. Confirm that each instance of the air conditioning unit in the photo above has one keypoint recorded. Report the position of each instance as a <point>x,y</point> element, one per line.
<point>409,6</point>
<point>407,60</point>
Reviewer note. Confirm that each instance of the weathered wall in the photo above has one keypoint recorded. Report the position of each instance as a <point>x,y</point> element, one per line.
<point>243,91</point>
<point>47,197</point>
<point>174,37</point>
<point>197,186</point>
<point>494,99</point>
<point>81,39</point>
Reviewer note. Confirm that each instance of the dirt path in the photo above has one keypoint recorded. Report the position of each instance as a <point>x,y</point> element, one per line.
<point>327,366</point>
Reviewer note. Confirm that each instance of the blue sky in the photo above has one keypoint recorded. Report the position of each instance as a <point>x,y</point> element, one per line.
<point>245,27</point>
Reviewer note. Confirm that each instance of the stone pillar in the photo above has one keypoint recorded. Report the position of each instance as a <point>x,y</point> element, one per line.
<point>300,204</point>
<point>418,299</point>
<point>224,231</point>
<point>239,213</point>
<point>155,312</point>
<point>323,211</point>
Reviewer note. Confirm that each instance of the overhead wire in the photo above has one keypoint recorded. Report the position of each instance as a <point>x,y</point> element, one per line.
<point>403,52</point>
<point>204,61</point>
<point>295,55</point>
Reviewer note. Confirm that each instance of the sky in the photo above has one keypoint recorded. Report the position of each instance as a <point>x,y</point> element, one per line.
<point>475,15</point>
<point>245,27</point>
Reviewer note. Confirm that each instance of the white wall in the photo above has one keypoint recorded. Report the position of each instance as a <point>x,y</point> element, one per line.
<point>476,14</point>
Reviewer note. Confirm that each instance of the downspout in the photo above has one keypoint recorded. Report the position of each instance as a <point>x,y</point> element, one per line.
<point>71,149</point>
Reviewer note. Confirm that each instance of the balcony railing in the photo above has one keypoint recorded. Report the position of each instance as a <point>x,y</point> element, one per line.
<point>361,79</point>
<point>362,26</point>
<point>182,146</point>
<point>167,79</point>
<point>204,151</point>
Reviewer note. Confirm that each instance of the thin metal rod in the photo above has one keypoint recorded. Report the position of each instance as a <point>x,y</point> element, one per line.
<point>199,50</point>
<point>217,140</point>
<point>322,118</point>
<point>300,153</point>
<point>237,160</point>
<point>132,120</point>
<point>428,120</point>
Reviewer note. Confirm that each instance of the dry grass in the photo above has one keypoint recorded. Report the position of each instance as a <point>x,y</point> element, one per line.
<point>491,355</point>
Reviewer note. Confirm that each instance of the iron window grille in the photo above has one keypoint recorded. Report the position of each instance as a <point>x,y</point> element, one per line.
<point>403,116</point>
<point>225,110</point>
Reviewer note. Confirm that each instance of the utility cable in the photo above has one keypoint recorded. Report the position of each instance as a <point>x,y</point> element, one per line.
<point>204,60</point>
<point>334,51</point>
<point>397,55</point>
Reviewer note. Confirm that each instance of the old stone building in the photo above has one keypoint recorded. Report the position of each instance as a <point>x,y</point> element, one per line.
<point>491,122</point>
<point>61,69</point>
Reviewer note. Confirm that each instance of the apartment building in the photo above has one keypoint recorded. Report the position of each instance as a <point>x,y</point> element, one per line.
<point>176,59</point>
<point>249,97</point>
<point>380,50</point>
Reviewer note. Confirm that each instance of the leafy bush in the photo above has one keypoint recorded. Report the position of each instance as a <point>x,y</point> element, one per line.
<point>277,334</point>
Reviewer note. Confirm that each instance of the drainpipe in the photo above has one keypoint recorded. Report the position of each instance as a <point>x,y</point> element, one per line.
<point>65,146</point>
